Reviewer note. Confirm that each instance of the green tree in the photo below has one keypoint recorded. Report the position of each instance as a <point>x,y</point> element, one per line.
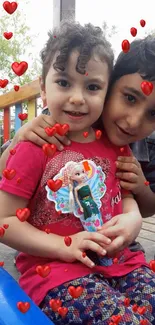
<point>18,48</point>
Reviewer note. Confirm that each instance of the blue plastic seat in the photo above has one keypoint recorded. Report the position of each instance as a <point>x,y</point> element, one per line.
<point>10,294</point>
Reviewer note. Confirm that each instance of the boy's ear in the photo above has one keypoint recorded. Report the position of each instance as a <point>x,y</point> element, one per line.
<point>42,90</point>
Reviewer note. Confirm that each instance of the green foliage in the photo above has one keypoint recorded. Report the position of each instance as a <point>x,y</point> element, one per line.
<point>18,48</point>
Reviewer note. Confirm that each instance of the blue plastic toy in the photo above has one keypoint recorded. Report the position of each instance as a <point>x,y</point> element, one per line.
<point>10,294</point>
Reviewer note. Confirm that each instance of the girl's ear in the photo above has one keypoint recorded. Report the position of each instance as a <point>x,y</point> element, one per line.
<point>42,90</point>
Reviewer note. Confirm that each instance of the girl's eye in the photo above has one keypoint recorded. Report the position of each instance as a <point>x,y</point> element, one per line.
<point>130,98</point>
<point>63,83</point>
<point>93,87</point>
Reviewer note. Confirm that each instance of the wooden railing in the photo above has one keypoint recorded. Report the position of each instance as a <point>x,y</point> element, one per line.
<point>30,93</point>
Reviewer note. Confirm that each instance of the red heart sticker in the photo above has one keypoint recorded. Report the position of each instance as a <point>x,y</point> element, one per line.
<point>147,87</point>
<point>142,22</point>
<point>75,292</point>
<point>3,83</point>
<point>68,241</point>
<point>152,265</point>
<point>50,131</point>
<point>23,214</point>
<point>134,308</point>
<point>16,87</point>
<point>62,311</point>
<point>22,116</point>
<point>55,304</point>
<point>9,173</point>
<point>47,230</point>
<point>10,7</point>
<point>86,74</point>
<point>5,226</point>
<point>141,310</point>
<point>7,35</point>
<point>116,318</point>
<point>84,254</point>
<point>62,129</point>
<point>143,322</point>
<point>23,306</point>
<point>43,270</point>
<point>19,180</point>
<point>49,149</point>
<point>133,31</point>
<point>2,232</point>
<point>1,264</point>
<point>12,152</point>
<point>98,134</point>
<point>147,183</point>
<point>115,260</point>
<point>85,134</point>
<point>19,68</point>
<point>125,46</point>
<point>126,302</point>
<point>122,149</point>
<point>54,185</point>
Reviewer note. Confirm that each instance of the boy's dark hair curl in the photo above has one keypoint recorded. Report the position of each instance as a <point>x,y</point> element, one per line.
<point>140,59</point>
<point>69,36</point>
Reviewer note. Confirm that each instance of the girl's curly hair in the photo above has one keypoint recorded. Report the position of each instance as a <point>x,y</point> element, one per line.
<point>71,35</point>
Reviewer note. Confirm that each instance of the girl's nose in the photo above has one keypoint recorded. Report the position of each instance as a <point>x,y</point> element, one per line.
<point>77,98</point>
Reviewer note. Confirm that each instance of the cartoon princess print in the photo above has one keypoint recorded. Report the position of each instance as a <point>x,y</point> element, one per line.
<point>83,186</point>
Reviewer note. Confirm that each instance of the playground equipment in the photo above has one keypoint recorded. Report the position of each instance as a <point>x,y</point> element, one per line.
<point>10,295</point>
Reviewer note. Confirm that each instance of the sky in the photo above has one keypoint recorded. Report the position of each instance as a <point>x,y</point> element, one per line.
<point>122,14</point>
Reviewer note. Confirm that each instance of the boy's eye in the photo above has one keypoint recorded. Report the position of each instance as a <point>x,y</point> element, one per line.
<point>93,87</point>
<point>152,113</point>
<point>63,83</point>
<point>130,98</point>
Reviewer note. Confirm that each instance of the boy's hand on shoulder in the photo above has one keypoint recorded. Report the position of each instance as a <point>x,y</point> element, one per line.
<point>34,131</point>
<point>130,173</point>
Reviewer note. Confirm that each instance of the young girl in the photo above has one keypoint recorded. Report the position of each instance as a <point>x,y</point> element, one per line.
<point>76,69</point>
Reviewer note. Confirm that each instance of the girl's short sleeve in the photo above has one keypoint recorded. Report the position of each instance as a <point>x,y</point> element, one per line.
<point>28,163</point>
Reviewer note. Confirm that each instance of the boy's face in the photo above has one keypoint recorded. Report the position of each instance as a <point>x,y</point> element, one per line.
<point>128,114</point>
<point>74,98</point>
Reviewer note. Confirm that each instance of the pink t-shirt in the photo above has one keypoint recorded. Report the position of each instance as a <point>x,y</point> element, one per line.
<point>34,168</point>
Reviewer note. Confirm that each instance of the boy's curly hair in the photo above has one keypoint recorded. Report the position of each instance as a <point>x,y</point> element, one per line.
<point>71,35</point>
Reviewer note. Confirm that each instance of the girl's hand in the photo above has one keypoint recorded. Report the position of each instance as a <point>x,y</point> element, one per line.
<point>34,131</point>
<point>130,174</point>
<point>123,229</point>
<point>81,242</point>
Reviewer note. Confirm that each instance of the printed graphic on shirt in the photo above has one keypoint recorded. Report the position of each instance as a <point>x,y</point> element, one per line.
<point>83,186</point>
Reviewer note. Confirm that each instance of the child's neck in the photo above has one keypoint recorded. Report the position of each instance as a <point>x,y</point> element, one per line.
<point>79,136</point>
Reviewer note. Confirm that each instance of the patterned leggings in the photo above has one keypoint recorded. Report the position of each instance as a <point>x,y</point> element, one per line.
<point>103,300</point>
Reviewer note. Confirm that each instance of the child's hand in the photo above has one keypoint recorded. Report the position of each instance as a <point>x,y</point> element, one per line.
<point>123,229</point>
<point>130,174</point>
<point>35,131</point>
<point>81,242</point>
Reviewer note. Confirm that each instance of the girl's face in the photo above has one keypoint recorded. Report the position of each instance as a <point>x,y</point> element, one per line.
<point>128,114</point>
<point>74,98</point>
<point>78,174</point>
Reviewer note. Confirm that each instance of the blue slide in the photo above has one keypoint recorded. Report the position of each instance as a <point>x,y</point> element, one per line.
<point>10,295</point>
